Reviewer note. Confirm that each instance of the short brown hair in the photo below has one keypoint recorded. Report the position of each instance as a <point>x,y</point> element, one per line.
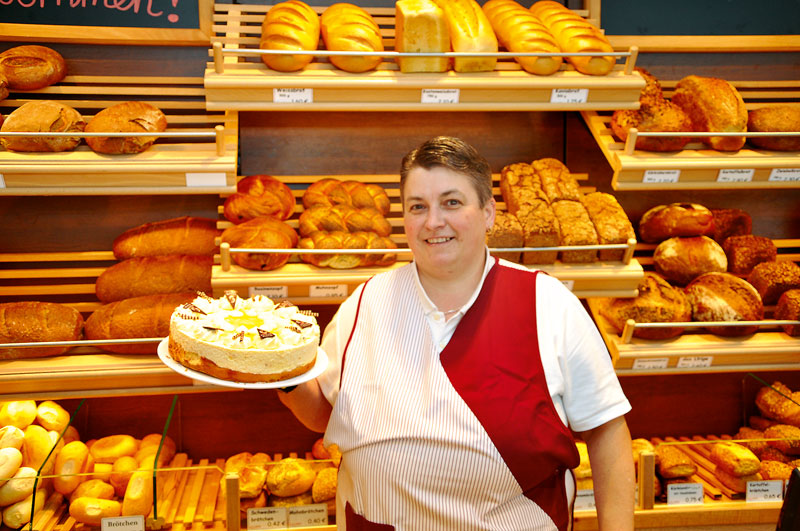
<point>454,154</point>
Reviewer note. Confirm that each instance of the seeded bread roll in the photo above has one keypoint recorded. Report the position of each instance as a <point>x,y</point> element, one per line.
<point>290,477</point>
<point>151,275</point>
<point>779,118</point>
<point>677,219</point>
<point>32,67</point>
<point>713,104</point>
<point>789,438</point>
<point>31,321</point>
<point>184,235</point>
<point>42,116</point>
<point>747,251</point>
<point>673,463</point>
<point>725,297</point>
<point>610,221</point>
<point>772,279</point>
<point>788,308</point>
<point>576,229</point>
<point>290,25</point>
<point>774,403</point>
<point>681,260</point>
<point>749,433</point>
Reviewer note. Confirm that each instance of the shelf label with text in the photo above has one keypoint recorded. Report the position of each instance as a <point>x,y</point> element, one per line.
<point>735,175</point>
<point>644,364</point>
<point>267,518</point>
<point>569,95</point>
<point>293,95</point>
<point>273,292</point>
<point>784,174</point>
<point>122,523</point>
<point>440,95</point>
<point>584,500</point>
<point>761,491</point>
<point>205,179</point>
<point>661,176</point>
<point>328,291</point>
<point>695,362</point>
<point>684,494</point>
<point>308,515</point>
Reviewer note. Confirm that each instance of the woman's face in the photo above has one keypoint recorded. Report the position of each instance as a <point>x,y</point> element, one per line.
<point>444,222</point>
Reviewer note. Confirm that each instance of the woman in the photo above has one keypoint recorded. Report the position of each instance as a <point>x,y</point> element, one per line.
<point>454,380</point>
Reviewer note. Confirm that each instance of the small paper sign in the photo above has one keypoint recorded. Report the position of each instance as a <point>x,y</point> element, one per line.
<point>584,500</point>
<point>2,181</point>
<point>784,174</point>
<point>661,176</point>
<point>694,362</point>
<point>684,494</point>
<point>308,515</point>
<point>328,291</point>
<point>293,95</point>
<point>735,175</point>
<point>570,284</point>
<point>569,95</point>
<point>267,518</point>
<point>205,179</point>
<point>122,523</point>
<point>273,292</point>
<point>761,491</point>
<point>644,364</point>
<point>440,95</point>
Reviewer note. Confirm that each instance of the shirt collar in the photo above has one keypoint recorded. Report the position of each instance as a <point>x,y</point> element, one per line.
<point>427,305</point>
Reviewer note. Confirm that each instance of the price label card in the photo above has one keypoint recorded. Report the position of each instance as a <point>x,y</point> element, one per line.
<point>2,181</point>
<point>735,175</point>
<point>584,500</point>
<point>273,292</point>
<point>205,179</point>
<point>644,364</point>
<point>122,523</point>
<point>569,95</point>
<point>784,174</point>
<point>684,494</point>
<point>328,291</point>
<point>267,518</point>
<point>308,515</point>
<point>293,95</point>
<point>570,284</point>
<point>761,491</point>
<point>440,95</point>
<point>661,176</point>
<point>694,362</point>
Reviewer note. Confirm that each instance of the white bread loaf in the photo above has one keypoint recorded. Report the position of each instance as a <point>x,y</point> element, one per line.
<point>420,26</point>
<point>470,31</point>
<point>290,25</point>
<point>347,27</point>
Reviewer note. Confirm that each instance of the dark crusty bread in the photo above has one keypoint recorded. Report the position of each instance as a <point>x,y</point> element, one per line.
<point>125,117</point>
<point>675,219</point>
<point>146,316</point>
<point>713,104</point>
<point>519,185</point>
<point>576,229</point>
<point>772,279</point>
<point>32,67</point>
<point>788,308</point>
<point>785,118</point>
<point>263,232</point>
<point>31,321</point>
<point>730,222</point>
<point>506,232</point>
<point>151,275</point>
<point>746,251</point>
<point>42,116</point>
<point>725,297</point>
<point>681,260</point>
<point>184,235</point>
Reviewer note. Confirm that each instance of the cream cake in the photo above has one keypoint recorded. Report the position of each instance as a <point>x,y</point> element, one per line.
<point>243,340</point>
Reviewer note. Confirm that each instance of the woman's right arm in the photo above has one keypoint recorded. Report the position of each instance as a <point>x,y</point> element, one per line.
<point>309,405</point>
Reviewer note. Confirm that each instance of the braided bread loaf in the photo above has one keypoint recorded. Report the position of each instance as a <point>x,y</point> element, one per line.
<point>259,195</point>
<point>345,240</point>
<point>330,192</point>
<point>343,218</point>
<point>261,233</point>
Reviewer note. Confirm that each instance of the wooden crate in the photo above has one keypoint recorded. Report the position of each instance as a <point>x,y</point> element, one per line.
<point>238,80</point>
<point>173,165</point>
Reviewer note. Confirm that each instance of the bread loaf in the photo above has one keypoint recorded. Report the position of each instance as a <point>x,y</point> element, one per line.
<point>734,459</point>
<point>343,218</point>
<point>125,117</point>
<point>681,260</point>
<point>519,30</point>
<point>345,240</point>
<point>145,316</point>
<point>420,26</point>
<point>557,182</point>
<point>774,402</point>
<point>42,116</point>
<point>184,235</point>
<point>610,221</point>
<point>772,279</point>
<point>290,25</point>
<point>713,104</point>
<point>673,463</point>
<point>261,233</point>
<point>576,229</point>
<point>151,275</point>
<point>257,196</point>
<point>3,91</point>
<point>347,27</point>
<point>506,232</point>
<point>331,192</point>
<point>782,118</point>
<point>676,219</point>
<point>788,308</point>
<point>724,297</point>
<point>32,67</point>
<point>290,477</point>
<point>661,116</point>
<point>574,34</point>
<point>730,222</point>
<point>470,31</point>
<point>30,321</point>
<point>746,251</point>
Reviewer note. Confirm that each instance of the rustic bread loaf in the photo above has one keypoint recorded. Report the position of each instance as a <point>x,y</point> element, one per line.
<point>259,195</point>
<point>343,218</point>
<point>662,116</point>
<point>519,30</point>
<point>576,229</point>
<point>675,219</point>
<point>541,229</point>
<point>747,251</point>
<point>32,67</point>
<point>184,235</point>
<point>610,221</point>
<point>772,279</point>
<point>151,275</point>
<point>672,462</point>
<point>31,321</point>
<point>520,186</point>
<point>347,27</point>
<point>713,104</point>
<point>735,459</point>
<point>420,26</point>
<point>506,232</point>
<point>470,31</point>
<point>730,222</point>
<point>557,182</point>
<point>290,25</point>
<point>260,233</point>
<point>784,118</point>
<point>681,260</point>
<point>42,116</point>
<point>788,308</point>
<point>347,240</point>
<point>125,117</point>
<point>724,297</point>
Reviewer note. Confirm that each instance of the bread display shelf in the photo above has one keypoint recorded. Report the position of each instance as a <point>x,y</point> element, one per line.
<point>197,155</point>
<point>238,80</point>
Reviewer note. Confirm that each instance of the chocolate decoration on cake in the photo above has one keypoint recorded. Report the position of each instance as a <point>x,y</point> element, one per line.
<point>231,296</point>
<point>193,308</point>
<point>284,304</point>
<point>264,333</point>
<point>301,324</point>
<point>212,328</point>
<point>295,329</point>
<point>239,336</point>
<point>309,313</point>
<point>204,296</point>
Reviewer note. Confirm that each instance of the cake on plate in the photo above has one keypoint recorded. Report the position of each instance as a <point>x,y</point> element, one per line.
<point>243,340</point>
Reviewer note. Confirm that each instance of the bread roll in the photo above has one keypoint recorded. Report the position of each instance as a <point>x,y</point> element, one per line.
<point>324,486</point>
<point>420,26</point>
<point>17,413</point>
<point>772,279</point>
<point>304,498</point>
<point>789,436</point>
<point>713,104</point>
<point>775,470</point>
<point>36,449</point>
<point>92,510</point>
<point>261,233</point>
<point>101,471</point>
<point>735,483</point>
<point>347,240</point>
<point>93,488</point>
<point>773,402</point>
<point>290,477</point>
<point>10,461</point>
<point>788,308</point>
<point>121,471</point>
<point>252,503</point>
<point>778,118</point>
<point>673,463</point>
<point>52,416</point>
<point>252,472</point>
<point>519,30</point>
<point>506,232</point>
<point>290,25</point>
<point>610,221</point>
<point>257,196</point>
<point>30,321</point>
<point>681,260</point>
<point>734,459</point>
<point>19,513</point>
<point>150,445</point>
<point>125,117</point>
<point>676,219</point>
<point>724,297</point>
<point>150,275</point>
<point>640,445</point>
<point>184,235</point>
<point>347,27</point>
<point>42,116</point>
<point>11,437</point>
<point>750,433</point>
<point>747,251</point>
<point>110,448</point>
<point>71,460</point>
<point>19,487</point>
<point>32,67</point>
<point>470,31</point>
<point>145,316</point>
<point>138,497</point>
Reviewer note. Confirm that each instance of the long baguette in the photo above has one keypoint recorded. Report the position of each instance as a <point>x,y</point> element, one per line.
<point>184,235</point>
<point>150,275</point>
<point>470,31</point>
<point>290,25</point>
<point>518,30</point>
<point>31,321</point>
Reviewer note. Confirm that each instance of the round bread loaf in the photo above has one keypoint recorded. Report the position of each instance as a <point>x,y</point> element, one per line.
<point>680,260</point>
<point>772,279</point>
<point>676,219</point>
<point>32,67</point>
<point>261,233</point>
<point>725,297</point>
<point>290,477</point>
<point>788,308</point>
<point>125,117</point>
<point>784,118</point>
<point>42,116</point>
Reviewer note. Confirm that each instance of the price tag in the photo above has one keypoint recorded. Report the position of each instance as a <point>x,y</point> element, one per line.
<point>328,291</point>
<point>267,518</point>
<point>584,500</point>
<point>644,364</point>
<point>735,175</point>
<point>2,181</point>
<point>293,95</point>
<point>784,174</point>
<point>761,491</point>
<point>684,494</point>
<point>205,179</point>
<point>569,95</point>
<point>440,95</point>
<point>273,292</point>
<point>661,176</point>
<point>570,284</point>
<point>308,515</point>
<point>694,362</point>
<point>122,523</point>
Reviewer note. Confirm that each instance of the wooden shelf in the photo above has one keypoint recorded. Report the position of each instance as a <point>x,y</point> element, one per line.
<point>173,165</point>
<point>240,81</point>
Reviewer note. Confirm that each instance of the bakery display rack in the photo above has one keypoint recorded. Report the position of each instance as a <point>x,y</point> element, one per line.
<point>197,154</point>
<point>236,79</point>
<point>696,167</point>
